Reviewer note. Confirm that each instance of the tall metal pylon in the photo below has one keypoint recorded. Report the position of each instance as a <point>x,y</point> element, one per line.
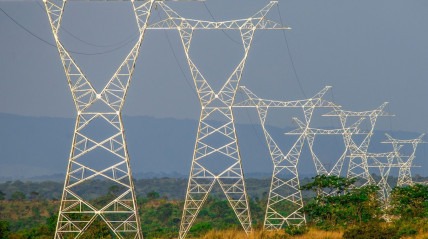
<point>358,167</point>
<point>96,155</point>
<point>406,162</point>
<point>374,160</point>
<point>285,184</point>
<point>310,135</point>
<point>216,156</point>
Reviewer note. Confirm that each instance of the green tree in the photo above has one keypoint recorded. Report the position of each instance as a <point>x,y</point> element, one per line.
<point>18,196</point>
<point>153,195</point>
<point>410,202</point>
<point>34,195</point>
<point>2,195</point>
<point>329,184</point>
<point>348,206</point>
<point>98,229</point>
<point>4,229</point>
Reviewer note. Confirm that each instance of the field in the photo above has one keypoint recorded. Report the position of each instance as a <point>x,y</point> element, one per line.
<point>355,214</point>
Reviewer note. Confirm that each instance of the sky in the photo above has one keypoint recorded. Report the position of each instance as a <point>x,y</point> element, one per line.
<point>369,51</point>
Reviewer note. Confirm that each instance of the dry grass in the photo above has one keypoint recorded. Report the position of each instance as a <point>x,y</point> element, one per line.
<point>419,236</point>
<point>319,234</point>
<point>258,234</point>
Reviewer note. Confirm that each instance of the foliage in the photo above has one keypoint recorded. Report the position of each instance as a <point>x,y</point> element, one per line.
<point>173,188</point>
<point>153,195</point>
<point>373,231</point>
<point>329,184</point>
<point>2,195</point>
<point>354,210</point>
<point>4,229</point>
<point>347,207</point>
<point>18,195</point>
<point>98,229</point>
<point>296,230</point>
<point>410,202</point>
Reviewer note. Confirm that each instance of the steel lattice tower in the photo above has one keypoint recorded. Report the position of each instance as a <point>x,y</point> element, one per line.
<point>310,135</point>
<point>94,156</point>
<point>406,162</point>
<point>285,184</point>
<point>375,161</point>
<point>216,156</point>
<point>358,166</point>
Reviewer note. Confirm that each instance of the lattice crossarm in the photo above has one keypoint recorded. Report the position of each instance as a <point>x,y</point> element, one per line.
<point>265,24</point>
<point>264,11</point>
<point>257,21</point>
<point>168,11</point>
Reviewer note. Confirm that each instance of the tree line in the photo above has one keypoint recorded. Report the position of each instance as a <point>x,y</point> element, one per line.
<point>335,205</point>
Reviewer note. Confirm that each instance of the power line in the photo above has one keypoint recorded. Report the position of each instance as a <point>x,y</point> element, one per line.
<point>53,45</point>
<point>178,63</point>
<point>90,43</point>
<point>291,58</point>
<point>25,29</point>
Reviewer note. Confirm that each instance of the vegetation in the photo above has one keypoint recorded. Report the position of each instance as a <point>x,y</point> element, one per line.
<point>347,206</point>
<point>349,213</point>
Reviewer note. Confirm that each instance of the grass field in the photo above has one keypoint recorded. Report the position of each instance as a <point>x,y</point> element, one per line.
<point>258,234</point>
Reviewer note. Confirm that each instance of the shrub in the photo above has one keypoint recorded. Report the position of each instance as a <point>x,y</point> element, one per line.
<point>296,230</point>
<point>4,229</point>
<point>372,231</point>
<point>407,231</point>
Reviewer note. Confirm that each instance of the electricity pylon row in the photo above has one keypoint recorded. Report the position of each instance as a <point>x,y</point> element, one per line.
<point>285,184</point>
<point>96,108</point>
<point>285,199</point>
<point>216,155</point>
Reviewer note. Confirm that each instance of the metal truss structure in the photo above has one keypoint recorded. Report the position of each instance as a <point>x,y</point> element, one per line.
<point>374,160</point>
<point>384,162</point>
<point>358,166</point>
<point>406,162</point>
<point>96,155</point>
<point>310,135</point>
<point>285,198</point>
<point>216,156</point>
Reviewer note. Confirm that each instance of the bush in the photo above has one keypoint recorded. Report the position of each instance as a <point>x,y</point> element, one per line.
<point>200,228</point>
<point>372,231</point>
<point>407,231</point>
<point>296,230</point>
<point>4,229</point>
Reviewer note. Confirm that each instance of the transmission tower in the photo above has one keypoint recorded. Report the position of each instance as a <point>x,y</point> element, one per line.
<point>384,162</point>
<point>95,155</point>
<point>358,167</point>
<point>406,162</point>
<point>285,184</point>
<point>310,135</point>
<point>216,156</point>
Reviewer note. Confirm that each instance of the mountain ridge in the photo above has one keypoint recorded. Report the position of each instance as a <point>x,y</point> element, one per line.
<point>32,147</point>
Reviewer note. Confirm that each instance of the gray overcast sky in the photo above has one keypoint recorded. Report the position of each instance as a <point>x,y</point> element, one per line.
<point>369,51</point>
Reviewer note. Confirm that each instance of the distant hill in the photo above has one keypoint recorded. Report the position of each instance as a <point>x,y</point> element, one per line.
<point>37,148</point>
